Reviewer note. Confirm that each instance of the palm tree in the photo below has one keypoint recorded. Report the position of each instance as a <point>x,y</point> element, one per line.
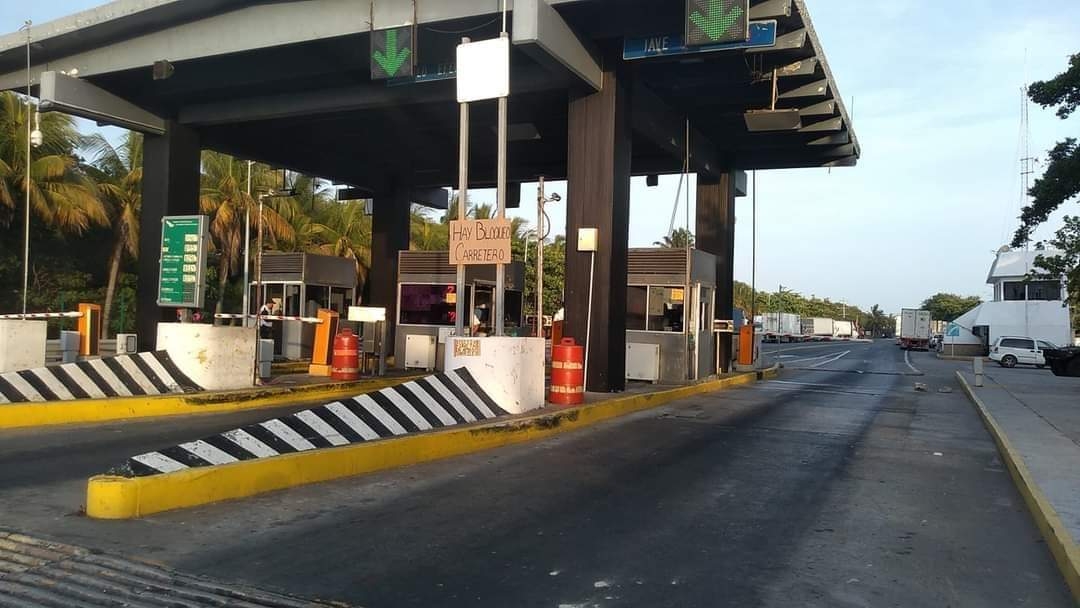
<point>680,238</point>
<point>425,234</point>
<point>60,193</point>
<point>120,184</point>
<point>225,200</point>
<point>348,235</point>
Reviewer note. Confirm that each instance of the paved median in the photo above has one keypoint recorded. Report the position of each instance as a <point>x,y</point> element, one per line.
<point>438,417</point>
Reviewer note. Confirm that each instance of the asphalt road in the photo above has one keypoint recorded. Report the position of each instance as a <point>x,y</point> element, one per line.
<point>835,485</point>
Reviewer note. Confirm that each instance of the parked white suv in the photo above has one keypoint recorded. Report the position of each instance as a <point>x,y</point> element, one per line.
<point>1012,350</point>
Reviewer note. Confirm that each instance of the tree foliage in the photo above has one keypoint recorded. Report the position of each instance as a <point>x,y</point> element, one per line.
<point>680,238</point>
<point>1061,181</point>
<point>949,306</point>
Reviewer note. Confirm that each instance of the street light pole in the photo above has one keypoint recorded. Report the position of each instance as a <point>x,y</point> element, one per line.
<point>247,249</point>
<point>260,299</point>
<point>26,181</point>
<point>540,236</point>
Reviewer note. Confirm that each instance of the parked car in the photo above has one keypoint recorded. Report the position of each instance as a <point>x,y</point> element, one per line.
<point>1010,351</point>
<point>1064,361</point>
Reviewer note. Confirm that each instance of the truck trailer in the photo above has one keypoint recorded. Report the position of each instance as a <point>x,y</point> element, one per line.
<point>914,329</point>
<point>817,327</point>
<point>843,329</point>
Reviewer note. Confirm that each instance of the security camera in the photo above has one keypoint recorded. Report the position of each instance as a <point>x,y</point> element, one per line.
<point>555,197</point>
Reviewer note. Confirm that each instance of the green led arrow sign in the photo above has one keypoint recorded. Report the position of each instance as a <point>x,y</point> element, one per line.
<point>717,21</point>
<point>392,53</point>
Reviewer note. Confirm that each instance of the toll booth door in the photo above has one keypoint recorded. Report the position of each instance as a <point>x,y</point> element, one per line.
<point>704,356</point>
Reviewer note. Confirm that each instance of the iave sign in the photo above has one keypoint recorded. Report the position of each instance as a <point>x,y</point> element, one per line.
<point>182,270</point>
<point>762,35</point>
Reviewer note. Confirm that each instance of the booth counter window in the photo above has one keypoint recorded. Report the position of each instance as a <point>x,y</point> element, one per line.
<point>423,304</point>
<point>656,308</point>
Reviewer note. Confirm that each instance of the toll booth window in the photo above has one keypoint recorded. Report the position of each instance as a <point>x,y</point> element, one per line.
<point>637,298</point>
<point>319,295</point>
<point>512,302</point>
<point>666,308</point>
<point>427,304</point>
<point>292,301</point>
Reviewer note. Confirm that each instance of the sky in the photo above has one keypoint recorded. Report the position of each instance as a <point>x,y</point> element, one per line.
<point>934,89</point>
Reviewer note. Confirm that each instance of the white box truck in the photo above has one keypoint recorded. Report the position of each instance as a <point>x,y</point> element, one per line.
<point>843,329</point>
<point>782,326</point>
<point>914,329</point>
<point>818,327</point>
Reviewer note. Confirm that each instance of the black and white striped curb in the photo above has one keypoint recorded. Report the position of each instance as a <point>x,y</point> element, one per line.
<point>120,376</point>
<point>434,402</point>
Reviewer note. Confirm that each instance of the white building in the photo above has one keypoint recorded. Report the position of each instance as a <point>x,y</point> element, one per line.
<point>1034,308</point>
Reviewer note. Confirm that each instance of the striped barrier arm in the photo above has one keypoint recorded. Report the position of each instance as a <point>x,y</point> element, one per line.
<point>43,315</point>
<point>429,403</point>
<point>227,315</point>
<point>120,376</point>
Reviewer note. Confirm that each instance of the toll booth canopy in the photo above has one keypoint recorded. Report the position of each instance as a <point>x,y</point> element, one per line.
<point>601,90</point>
<point>301,284</point>
<point>669,315</point>
<point>427,299</point>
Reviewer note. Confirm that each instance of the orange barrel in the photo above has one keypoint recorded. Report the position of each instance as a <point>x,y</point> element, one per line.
<point>567,373</point>
<point>346,365</point>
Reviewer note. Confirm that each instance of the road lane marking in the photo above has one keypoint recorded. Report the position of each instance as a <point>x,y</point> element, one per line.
<point>907,360</point>
<point>832,360</point>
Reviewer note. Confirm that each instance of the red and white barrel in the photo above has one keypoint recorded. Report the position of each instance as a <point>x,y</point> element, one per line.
<point>346,360</point>
<point>567,373</point>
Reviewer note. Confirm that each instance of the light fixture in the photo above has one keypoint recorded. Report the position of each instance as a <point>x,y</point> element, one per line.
<point>772,119</point>
<point>36,138</point>
<point>163,69</point>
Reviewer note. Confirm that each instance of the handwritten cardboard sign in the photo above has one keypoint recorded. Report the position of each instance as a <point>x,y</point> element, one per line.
<point>466,348</point>
<point>480,242</point>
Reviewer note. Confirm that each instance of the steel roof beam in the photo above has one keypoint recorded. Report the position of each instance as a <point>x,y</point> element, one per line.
<point>541,33</point>
<point>657,122</point>
<point>63,93</point>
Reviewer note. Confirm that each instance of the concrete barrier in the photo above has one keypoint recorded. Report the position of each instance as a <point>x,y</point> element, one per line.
<point>22,344</point>
<point>216,358</point>
<point>511,370</point>
<point>120,376</point>
<point>435,402</point>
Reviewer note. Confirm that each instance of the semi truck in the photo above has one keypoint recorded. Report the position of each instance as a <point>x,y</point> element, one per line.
<point>914,329</point>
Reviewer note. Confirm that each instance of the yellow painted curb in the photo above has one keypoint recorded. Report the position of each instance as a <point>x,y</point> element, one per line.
<point>113,497</point>
<point>81,411</point>
<point>1057,536</point>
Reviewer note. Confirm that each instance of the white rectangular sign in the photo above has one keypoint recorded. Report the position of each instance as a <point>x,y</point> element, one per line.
<point>483,70</point>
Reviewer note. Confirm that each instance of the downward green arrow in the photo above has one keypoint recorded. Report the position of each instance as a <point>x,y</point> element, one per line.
<point>392,60</point>
<point>718,21</point>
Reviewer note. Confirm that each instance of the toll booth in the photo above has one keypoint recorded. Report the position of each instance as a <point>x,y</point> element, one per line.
<point>669,315</point>
<point>301,284</point>
<point>427,302</point>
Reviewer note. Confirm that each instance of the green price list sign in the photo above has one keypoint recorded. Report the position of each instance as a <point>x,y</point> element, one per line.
<point>183,261</point>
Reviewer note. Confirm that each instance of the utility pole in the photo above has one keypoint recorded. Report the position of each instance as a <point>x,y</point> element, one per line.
<point>540,235</point>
